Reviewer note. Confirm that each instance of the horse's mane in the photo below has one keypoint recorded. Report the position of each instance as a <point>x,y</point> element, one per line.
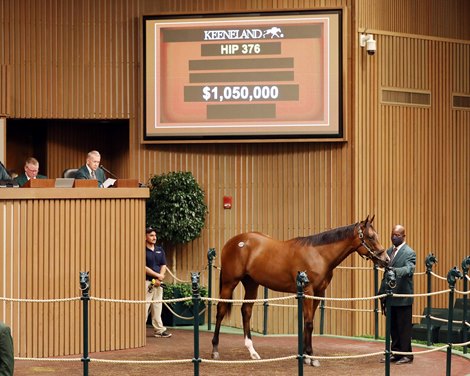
<point>327,237</point>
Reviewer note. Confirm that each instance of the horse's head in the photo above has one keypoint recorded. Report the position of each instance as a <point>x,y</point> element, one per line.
<point>370,247</point>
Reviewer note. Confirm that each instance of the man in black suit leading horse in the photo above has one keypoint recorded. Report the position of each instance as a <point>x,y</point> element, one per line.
<point>403,264</point>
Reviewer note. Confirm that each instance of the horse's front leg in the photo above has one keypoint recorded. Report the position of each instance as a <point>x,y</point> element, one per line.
<point>309,308</point>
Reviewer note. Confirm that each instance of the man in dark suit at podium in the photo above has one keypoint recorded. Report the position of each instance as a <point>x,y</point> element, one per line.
<point>92,169</point>
<point>31,171</point>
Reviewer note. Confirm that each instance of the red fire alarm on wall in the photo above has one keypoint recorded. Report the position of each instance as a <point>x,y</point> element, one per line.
<point>227,202</point>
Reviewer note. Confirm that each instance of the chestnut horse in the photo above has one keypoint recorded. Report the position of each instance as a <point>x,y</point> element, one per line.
<point>256,259</point>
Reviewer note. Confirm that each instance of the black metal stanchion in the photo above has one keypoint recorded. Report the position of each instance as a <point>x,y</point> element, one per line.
<point>391,281</point>
<point>265,311</point>
<point>85,298</point>
<point>465,267</point>
<point>430,261</point>
<point>376,301</point>
<point>302,280</point>
<point>452,276</point>
<point>196,298</point>
<point>210,258</point>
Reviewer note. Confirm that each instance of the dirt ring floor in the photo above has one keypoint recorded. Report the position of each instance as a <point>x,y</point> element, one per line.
<point>231,347</point>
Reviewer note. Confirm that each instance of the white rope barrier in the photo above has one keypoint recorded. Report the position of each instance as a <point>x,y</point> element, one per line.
<point>335,357</point>
<point>181,361</point>
<point>438,276</point>
<point>40,300</point>
<point>251,361</point>
<point>346,299</point>
<point>176,300</point>
<point>208,299</point>
<point>249,300</point>
<point>461,344</point>
<point>49,359</point>
<point>121,361</point>
<point>423,294</point>
<point>183,317</point>
<point>175,277</point>
<point>258,361</point>
<point>420,352</point>
<point>181,280</point>
<point>354,267</point>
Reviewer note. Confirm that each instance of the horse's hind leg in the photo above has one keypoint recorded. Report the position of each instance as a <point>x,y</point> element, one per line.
<point>222,309</point>
<point>251,291</point>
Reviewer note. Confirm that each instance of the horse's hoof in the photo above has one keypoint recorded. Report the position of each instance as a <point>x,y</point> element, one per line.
<point>215,355</point>
<point>255,356</point>
<point>312,362</point>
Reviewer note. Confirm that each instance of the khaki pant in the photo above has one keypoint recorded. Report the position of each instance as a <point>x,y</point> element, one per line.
<point>155,308</point>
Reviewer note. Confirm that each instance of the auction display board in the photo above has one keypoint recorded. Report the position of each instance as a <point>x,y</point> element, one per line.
<point>264,76</point>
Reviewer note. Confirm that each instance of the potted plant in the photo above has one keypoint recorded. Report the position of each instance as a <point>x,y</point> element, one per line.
<point>176,207</point>
<point>184,308</point>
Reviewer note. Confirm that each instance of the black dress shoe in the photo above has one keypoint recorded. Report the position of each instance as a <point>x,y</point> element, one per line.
<point>393,359</point>
<point>404,360</point>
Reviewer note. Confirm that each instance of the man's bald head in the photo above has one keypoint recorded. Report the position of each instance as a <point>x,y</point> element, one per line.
<point>398,235</point>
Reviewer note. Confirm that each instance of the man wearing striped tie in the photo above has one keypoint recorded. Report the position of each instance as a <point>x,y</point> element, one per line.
<point>92,169</point>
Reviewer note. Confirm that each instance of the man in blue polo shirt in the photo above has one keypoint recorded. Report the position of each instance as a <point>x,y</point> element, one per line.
<point>155,268</point>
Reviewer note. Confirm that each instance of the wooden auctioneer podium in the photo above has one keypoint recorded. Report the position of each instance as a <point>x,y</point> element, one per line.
<point>48,237</point>
<point>81,183</point>
<point>39,183</point>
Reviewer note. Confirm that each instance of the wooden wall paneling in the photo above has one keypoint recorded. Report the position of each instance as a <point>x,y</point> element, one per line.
<point>89,69</point>
<point>5,89</point>
<point>35,243</point>
<point>415,17</point>
<point>422,141</point>
<point>22,287</point>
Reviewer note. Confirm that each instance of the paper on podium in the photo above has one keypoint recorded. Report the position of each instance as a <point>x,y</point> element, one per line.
<point>109,183</point>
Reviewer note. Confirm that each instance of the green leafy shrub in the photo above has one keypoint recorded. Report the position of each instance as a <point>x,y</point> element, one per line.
<point>176,207</point>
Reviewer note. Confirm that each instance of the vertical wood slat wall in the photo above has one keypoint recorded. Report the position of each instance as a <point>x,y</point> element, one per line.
<point>416,155</point>
<point>85,63</point>
<point>45,244</point>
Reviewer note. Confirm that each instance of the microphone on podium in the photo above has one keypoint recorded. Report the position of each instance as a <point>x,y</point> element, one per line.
<point>108,172</point>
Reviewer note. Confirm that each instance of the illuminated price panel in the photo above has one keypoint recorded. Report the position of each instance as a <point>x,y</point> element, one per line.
<point>243,77</point>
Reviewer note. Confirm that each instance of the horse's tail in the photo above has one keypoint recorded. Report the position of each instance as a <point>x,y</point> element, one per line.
<point>229,304</point>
